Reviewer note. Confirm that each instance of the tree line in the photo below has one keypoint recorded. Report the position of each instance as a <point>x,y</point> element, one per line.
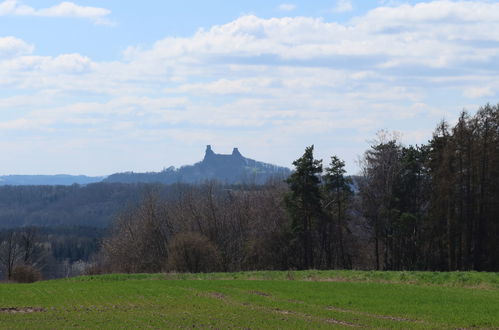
<point>92,205</point>
<point>37,252</point>
<point>418,207</point>
<point>435,206</point>
<point>422,207</point>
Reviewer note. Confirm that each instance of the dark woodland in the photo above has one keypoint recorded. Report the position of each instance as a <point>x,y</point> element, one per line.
<point>424,207</point>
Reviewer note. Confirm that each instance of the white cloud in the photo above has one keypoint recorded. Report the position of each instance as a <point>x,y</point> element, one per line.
<point>68,63</point>
<point>64,9</point>
<point>12,47</point>
<point>477,92</point>
<point>404,35</point>
<point>441,11</point>
<point>383,39</point>
<point>254,81</point>
<point>43,72</point>
<point>343,6</point>
<point>287,7</point>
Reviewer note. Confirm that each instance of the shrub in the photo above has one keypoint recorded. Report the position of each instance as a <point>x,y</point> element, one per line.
<point>94,269</point>
<point>192,252</point>
<point>25,274</point>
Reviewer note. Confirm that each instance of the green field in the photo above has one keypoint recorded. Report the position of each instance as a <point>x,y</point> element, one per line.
<point>311,299</point>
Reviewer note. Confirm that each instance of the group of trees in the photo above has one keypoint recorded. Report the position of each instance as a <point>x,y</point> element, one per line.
<point>20,254</point>
<point>436,206</point>
<point>297,224</point>
<point>427,207</point>
<point>56,206</point>
<point>318,206</point>
<point>207,227</point>
<point>464,169</point>
<point>47,252</point>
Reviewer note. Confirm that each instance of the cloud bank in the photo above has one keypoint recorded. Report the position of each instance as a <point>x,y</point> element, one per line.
<point>13,47</point>
<point>271,85</point>
<point>64,9</point>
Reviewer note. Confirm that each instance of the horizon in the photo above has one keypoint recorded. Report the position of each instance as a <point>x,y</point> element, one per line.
<point>208,147</point>
<point>95,88</point>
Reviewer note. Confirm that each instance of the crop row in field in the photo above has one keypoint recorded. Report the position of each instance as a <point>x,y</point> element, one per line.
<point>152,301</point>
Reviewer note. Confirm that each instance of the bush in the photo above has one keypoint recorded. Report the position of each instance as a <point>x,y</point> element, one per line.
<point>192,252</point>
<point>95,269</point>
<point>25,274</point>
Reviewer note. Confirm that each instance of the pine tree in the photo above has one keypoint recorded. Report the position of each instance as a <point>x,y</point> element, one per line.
<point>381,168</point>
<point>338,193</point>
<point>304,204</point>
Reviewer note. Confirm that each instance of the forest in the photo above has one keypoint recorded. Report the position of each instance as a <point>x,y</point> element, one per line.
<point>426,207</point>
<point>417,207</point>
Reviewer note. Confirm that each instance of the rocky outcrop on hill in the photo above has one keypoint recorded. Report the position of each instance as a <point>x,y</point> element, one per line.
<point>231,168</point>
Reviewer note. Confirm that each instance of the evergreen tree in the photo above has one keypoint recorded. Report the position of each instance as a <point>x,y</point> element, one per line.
<point>411,203</point>
<point>338,194</point>
<point>381,169</point>
<point>304,204</point>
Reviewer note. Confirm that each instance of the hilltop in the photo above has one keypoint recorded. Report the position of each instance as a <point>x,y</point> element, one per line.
<point>48,180</point>
<point>228,169</point>
<point>231,168</point>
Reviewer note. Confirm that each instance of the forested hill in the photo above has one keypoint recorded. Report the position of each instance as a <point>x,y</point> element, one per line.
<point>39,180</point>
<point>94,205</point>
<point>227,169</point>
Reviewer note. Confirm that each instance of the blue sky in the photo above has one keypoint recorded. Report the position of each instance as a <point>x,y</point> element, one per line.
<point>96,87</point>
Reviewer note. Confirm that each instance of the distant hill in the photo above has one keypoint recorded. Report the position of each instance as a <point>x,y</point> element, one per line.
<point>93,205</point>
<point>52,180</point>
<point>228,169</point>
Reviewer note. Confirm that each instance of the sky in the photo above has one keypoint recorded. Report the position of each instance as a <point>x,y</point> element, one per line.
<point>98,87</point>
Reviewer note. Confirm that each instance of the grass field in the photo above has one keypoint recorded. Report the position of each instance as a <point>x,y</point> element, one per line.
<point>310,299</point>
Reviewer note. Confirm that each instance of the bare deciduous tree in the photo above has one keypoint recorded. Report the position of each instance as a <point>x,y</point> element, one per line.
<point>10,252</point>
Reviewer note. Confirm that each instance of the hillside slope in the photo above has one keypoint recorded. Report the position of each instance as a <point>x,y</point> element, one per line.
<point>228,169</point>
